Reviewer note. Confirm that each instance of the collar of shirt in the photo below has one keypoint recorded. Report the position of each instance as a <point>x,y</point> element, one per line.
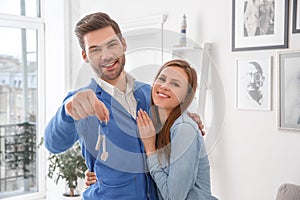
<point>110,89</point>
<point>127,99</point>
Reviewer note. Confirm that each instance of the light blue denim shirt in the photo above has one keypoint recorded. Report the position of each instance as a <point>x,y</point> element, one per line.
<point>188,174</point>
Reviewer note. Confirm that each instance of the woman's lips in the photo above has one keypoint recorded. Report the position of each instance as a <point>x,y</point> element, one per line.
<point>162,95</point>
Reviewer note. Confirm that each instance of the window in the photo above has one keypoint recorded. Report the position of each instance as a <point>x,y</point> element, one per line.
<point>30,8</point>
<point>22,99</point>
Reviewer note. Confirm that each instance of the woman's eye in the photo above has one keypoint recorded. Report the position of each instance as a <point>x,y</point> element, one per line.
<point>161,79</point>
<point>175,84</point>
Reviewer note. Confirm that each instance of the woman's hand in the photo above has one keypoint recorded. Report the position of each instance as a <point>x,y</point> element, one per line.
<point>147,132</point>
<point>90,178</point>
<point>197,119</point>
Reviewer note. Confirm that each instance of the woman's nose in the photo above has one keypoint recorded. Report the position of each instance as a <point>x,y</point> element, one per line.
<point>165,87</point>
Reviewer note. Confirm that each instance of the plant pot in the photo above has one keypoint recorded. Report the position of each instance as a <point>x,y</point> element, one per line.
<point>76,194</point>
<point>71,198</point>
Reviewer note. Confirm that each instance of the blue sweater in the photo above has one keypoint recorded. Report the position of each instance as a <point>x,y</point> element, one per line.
<point>122,175</point>
<point>188,174</point>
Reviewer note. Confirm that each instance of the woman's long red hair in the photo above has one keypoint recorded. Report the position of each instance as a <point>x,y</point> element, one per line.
<point>163,136</point>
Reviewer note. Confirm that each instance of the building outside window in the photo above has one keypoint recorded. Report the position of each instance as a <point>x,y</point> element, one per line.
<point>21,99</point>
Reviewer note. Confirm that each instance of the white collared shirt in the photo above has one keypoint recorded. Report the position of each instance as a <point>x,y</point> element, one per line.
<point>127,99</point>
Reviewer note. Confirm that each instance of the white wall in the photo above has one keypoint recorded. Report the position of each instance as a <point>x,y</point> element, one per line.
<point>252,158</point>
<point>58,60</point>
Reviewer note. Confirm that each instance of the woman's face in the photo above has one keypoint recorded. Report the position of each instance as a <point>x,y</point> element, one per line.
<point>170,88</point>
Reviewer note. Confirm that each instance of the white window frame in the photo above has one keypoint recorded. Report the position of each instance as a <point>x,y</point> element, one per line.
<point>13,21</point>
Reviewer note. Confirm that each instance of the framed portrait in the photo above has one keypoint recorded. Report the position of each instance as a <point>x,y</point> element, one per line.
<point>259,24</point>
<point>289,89</point>
<point>296,16</point>
<point>253,84</point>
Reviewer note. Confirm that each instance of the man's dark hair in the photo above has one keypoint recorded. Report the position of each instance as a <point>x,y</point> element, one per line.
<point>94,22</point>
<point>257,66</point>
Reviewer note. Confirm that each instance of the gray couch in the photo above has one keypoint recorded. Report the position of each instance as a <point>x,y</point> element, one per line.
<point>288,191</point>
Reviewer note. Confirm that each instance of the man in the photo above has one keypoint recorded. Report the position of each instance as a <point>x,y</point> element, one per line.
<point>102,116</point>
<point>266,17</point>
<point>254,82</point>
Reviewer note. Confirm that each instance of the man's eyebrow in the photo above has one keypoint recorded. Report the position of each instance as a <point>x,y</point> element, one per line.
<point>94,46</point>
<point>111,41</point>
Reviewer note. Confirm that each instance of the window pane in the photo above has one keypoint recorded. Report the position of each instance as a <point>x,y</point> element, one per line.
<point>18,111</point>
<point>30,8</point>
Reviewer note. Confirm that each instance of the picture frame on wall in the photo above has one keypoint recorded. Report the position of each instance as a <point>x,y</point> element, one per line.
<point>289,89</point>
<point>259,24</point>
<point>253,83</point>
<point>296,16</point>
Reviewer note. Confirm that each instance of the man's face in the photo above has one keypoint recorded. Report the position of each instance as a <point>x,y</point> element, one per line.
<point>254,79</point>
<point>256,2</point>
<point>105,52</point>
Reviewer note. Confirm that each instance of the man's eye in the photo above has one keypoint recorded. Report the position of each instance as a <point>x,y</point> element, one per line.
<point>257,76</point>
<point>112,44</point>
<point>95,50</point>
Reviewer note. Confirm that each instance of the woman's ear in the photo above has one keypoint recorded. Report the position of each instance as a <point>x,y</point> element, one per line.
<point>84,56</point>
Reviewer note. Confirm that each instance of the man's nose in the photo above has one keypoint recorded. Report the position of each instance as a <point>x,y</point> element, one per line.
<point>252,79</point>
<point>106,54</point>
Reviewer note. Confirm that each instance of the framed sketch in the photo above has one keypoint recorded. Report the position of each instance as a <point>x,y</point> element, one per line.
<point>289,89</point>
<point>296,16</point>
<point>253,84</point>
<point>259,24</point>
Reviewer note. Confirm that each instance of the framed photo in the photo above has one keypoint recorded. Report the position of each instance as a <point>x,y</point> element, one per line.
<point>259,24</point>
<point>253,84</point>
<point>289,89</point>
<point>296,16</point>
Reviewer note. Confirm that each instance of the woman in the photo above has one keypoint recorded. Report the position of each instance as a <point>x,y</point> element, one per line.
<point>174,145</point>
<point>251,16</point>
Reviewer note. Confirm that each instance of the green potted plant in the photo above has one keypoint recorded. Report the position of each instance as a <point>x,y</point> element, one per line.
<point>68,166</point>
